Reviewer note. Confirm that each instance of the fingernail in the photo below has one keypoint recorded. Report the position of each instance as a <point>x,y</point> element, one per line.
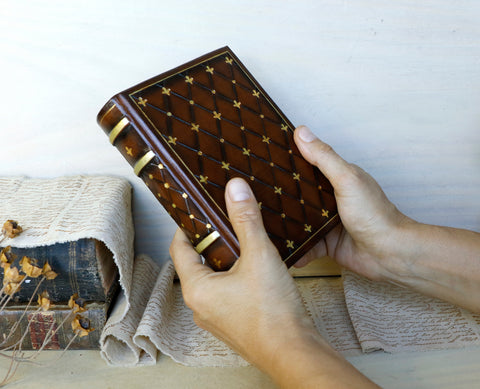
<point>238,190</point>
<point>305,134</point>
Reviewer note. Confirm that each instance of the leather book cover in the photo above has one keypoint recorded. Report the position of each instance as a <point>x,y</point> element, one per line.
<point>188,131</point>
<point>85,266</point>
<point>35,326</point>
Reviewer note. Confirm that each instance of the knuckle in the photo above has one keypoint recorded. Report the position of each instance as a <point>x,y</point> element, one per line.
<point>324,148</point>
<point>352,175</point>
<point>246,215</point>
<point>193,298</point>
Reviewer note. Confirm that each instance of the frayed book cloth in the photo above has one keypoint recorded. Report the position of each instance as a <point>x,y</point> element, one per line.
<point>354,314</point>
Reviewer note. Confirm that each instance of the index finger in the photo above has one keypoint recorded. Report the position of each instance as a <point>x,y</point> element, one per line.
<point>186,260</point>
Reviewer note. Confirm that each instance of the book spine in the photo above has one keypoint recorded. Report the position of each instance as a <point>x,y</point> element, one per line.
<point>169,183</point>
<point>77,264</point>
<point>53,327</point>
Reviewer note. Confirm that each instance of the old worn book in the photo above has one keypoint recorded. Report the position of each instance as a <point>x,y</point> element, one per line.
<point>188,131</point>
<point>52,327</point>
<point>85,267</point>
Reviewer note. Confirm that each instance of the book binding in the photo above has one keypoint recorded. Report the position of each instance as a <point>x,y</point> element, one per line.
<point>188,131</point>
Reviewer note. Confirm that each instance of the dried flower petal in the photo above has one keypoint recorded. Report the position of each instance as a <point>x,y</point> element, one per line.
<point>11,288</point>
<point>11,274</point>
<point>44,301</point>
<point>48,272</point>
<point>11,229</point>
<point>81,326</point>
<point>30,269</point>
<point>7,257</point>
<point>77,304</point>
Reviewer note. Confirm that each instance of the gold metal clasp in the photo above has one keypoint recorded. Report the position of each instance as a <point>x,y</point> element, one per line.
<point>207,241</point>
<point>142,162</point>
<point>117,130</point>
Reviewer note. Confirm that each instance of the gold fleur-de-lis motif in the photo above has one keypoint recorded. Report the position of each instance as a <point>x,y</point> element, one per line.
<point>262,116</point>
<point>191,216</point>
<point>324,213</point>
<point>283,216</point>
<point>225,165</point>
<point>290,244</point>
<point>302,201</point>
<point>189,80</point>
<point>197,236</point>
<point>284,127</point>
<point>217,263</point>
<point>195,127</point>
<point>246,152</point>
<point>184,195</point>
<point>296,176</point>
<point>308,227</point>
<point>213,91</point>
<point>172,140</point>
<point>236,104</point>
<point>166,91</point>
<point>209,70</point>
<point>266,139</point>
<point>208,226</point>
<point>217,115</point>
<point>166,185</point>
<point>228,60</point>
<point>161,166</point>
<point>234,81</point>
<point>277,189</point>
<point>203,179</point>
<point>129,151</point>
<point>142,101</point>
<point>256,93</point>
<point>259,205</point>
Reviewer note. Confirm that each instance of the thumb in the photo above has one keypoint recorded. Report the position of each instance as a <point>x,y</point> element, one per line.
<point>245,215</point>
<point>321,155</point>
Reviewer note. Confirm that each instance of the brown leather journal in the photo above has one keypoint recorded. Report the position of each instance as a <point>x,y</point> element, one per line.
<point>188,131</point>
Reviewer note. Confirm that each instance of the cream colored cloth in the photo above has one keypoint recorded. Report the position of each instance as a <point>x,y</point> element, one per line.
<point>150,316</point>
<point>71,208</point>
<point>391,318</point>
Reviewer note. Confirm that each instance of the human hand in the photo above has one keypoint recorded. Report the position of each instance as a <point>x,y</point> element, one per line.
<point>369,236</point>
<point>256,308</point>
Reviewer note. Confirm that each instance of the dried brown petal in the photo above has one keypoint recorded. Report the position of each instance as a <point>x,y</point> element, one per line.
<point>11,274</point>
<point>11,229</point>
<point>81,326</point>
<point>11,288</point>
<point>44,301</point>
<point>7,257</point>
<point>30,269</point>
<point>77,304</point>
<point>48,272</point>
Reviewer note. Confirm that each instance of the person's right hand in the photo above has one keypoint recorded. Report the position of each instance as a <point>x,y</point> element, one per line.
<point>368,236</point>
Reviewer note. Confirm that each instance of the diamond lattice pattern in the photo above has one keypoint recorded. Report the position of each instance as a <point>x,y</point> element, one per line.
<point>217,120</point>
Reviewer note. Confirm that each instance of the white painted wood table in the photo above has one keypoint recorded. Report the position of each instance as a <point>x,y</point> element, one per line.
<point>393,86</point>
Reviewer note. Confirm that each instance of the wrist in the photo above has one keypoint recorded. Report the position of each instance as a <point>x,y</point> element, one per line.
<point>304,359</point>
<point>403,246</point>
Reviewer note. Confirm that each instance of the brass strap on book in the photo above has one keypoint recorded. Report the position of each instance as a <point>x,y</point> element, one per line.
<point>117,130</point>
<point>207,241</point>
<point>142,162</point>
